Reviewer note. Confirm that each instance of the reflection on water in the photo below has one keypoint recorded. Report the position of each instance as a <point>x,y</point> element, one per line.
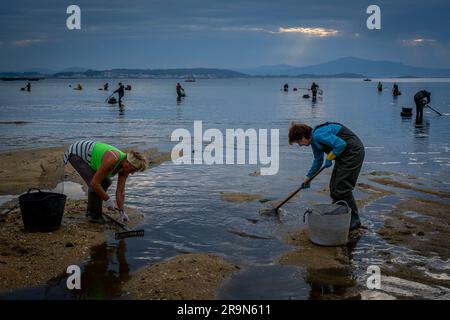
<point>272,282</point>
<point>105,273</point>
<point>102,277</point>
<point>422,130</point>
<point>121,110</point>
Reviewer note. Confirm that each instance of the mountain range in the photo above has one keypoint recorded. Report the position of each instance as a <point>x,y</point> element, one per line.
<point>348,67</point>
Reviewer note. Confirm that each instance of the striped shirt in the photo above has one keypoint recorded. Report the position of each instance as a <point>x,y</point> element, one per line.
<point>83,149</point>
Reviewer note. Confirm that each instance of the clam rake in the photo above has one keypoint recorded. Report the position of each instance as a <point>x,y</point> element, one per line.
<point>127,233</point>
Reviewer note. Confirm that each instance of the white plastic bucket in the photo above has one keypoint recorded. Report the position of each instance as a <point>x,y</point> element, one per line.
<point>328,224</point>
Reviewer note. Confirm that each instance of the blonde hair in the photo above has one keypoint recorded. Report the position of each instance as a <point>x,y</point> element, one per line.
<point>137,160</point>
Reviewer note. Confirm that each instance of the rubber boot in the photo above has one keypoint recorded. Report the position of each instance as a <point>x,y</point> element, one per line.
<point>355,222</point>
<point>94,208</point>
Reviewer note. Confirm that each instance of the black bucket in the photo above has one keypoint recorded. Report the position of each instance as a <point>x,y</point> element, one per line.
<point>306,96</point>
<point>406,112</point>
<point>42,211</point>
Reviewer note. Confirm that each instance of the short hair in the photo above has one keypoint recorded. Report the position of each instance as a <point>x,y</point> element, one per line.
<point>297,131</point>
<point>137,160</point>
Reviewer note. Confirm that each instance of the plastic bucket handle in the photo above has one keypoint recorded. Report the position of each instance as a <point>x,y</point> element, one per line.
<point>30,189</point>
<point>304,215</point>
<point>345,202</point>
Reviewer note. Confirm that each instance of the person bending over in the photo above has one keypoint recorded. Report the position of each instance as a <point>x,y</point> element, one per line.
<point>97,163</point>
<point>341,145</point>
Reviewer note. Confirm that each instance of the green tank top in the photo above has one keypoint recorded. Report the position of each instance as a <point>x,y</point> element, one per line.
<point>99,151</point>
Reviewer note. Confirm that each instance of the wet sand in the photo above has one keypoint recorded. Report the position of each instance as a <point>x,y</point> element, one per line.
<point>188,277</point>
<point>371,194</point>
<point>240,196</point>
<point>402,185</point>
<point>388,173</point>
<point>29,259</point>
<point>309,255</point>
<point>421,225</point>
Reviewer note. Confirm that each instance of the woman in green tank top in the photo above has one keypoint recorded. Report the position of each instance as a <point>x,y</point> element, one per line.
<point>105,162</point>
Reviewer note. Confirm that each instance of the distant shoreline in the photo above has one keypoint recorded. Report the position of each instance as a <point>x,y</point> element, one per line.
<point>79,77</point>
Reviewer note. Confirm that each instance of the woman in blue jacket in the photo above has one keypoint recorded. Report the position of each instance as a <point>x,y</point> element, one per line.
<point>341,145</point>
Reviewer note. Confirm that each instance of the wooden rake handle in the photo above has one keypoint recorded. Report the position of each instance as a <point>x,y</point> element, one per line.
<point>298,190</point>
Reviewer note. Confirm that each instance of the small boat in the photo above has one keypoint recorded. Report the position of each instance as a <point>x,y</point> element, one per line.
<point>367,79</point>
<point>190,79</point>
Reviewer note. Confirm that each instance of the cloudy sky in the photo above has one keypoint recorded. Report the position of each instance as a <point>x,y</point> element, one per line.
<point>219,33</point>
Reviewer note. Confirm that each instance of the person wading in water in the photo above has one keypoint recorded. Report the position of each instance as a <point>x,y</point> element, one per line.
<point>421,99</point>
<point>341,145</point>
<point>120,91</point>
<point>314,88</point>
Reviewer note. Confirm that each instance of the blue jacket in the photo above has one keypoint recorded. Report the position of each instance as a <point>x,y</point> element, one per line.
<point>324,138</point>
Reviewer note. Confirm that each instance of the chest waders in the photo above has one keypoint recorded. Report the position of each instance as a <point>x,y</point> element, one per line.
<point>420,104</point>
<point>347,167</point>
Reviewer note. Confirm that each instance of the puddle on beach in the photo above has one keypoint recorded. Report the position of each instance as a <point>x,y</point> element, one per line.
<point>71,189</point>
<point>5,199</point>
<point>102,277</point>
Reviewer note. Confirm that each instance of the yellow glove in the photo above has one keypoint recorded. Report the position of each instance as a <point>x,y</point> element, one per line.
<point>331,156</point>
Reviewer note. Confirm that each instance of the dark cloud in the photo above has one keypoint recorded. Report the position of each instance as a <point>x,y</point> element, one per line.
<point>232,33</point>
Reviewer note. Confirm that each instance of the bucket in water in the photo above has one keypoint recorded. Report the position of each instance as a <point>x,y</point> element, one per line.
<point>328,224</point>
<point>406,112</point>
<point>42,211</point>
<point>306,96</point>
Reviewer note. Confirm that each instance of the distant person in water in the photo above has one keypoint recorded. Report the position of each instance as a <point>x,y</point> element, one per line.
<point>28,86</point>
<point>286,87</point>
<point>97,162</point>
<point>120,91</point>
<point>106,86</point>
<point>180,90</point>
<point>314,88</point>
<point>341,145</point>
<point>79,87</point>
<point>380,86</point>
<point>395,90</point>
<point>421,99</point>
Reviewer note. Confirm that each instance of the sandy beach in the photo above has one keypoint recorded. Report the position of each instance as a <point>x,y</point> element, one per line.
<point>194,276</point>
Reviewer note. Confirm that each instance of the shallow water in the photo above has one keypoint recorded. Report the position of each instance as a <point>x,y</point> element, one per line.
<point>182,204</point>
